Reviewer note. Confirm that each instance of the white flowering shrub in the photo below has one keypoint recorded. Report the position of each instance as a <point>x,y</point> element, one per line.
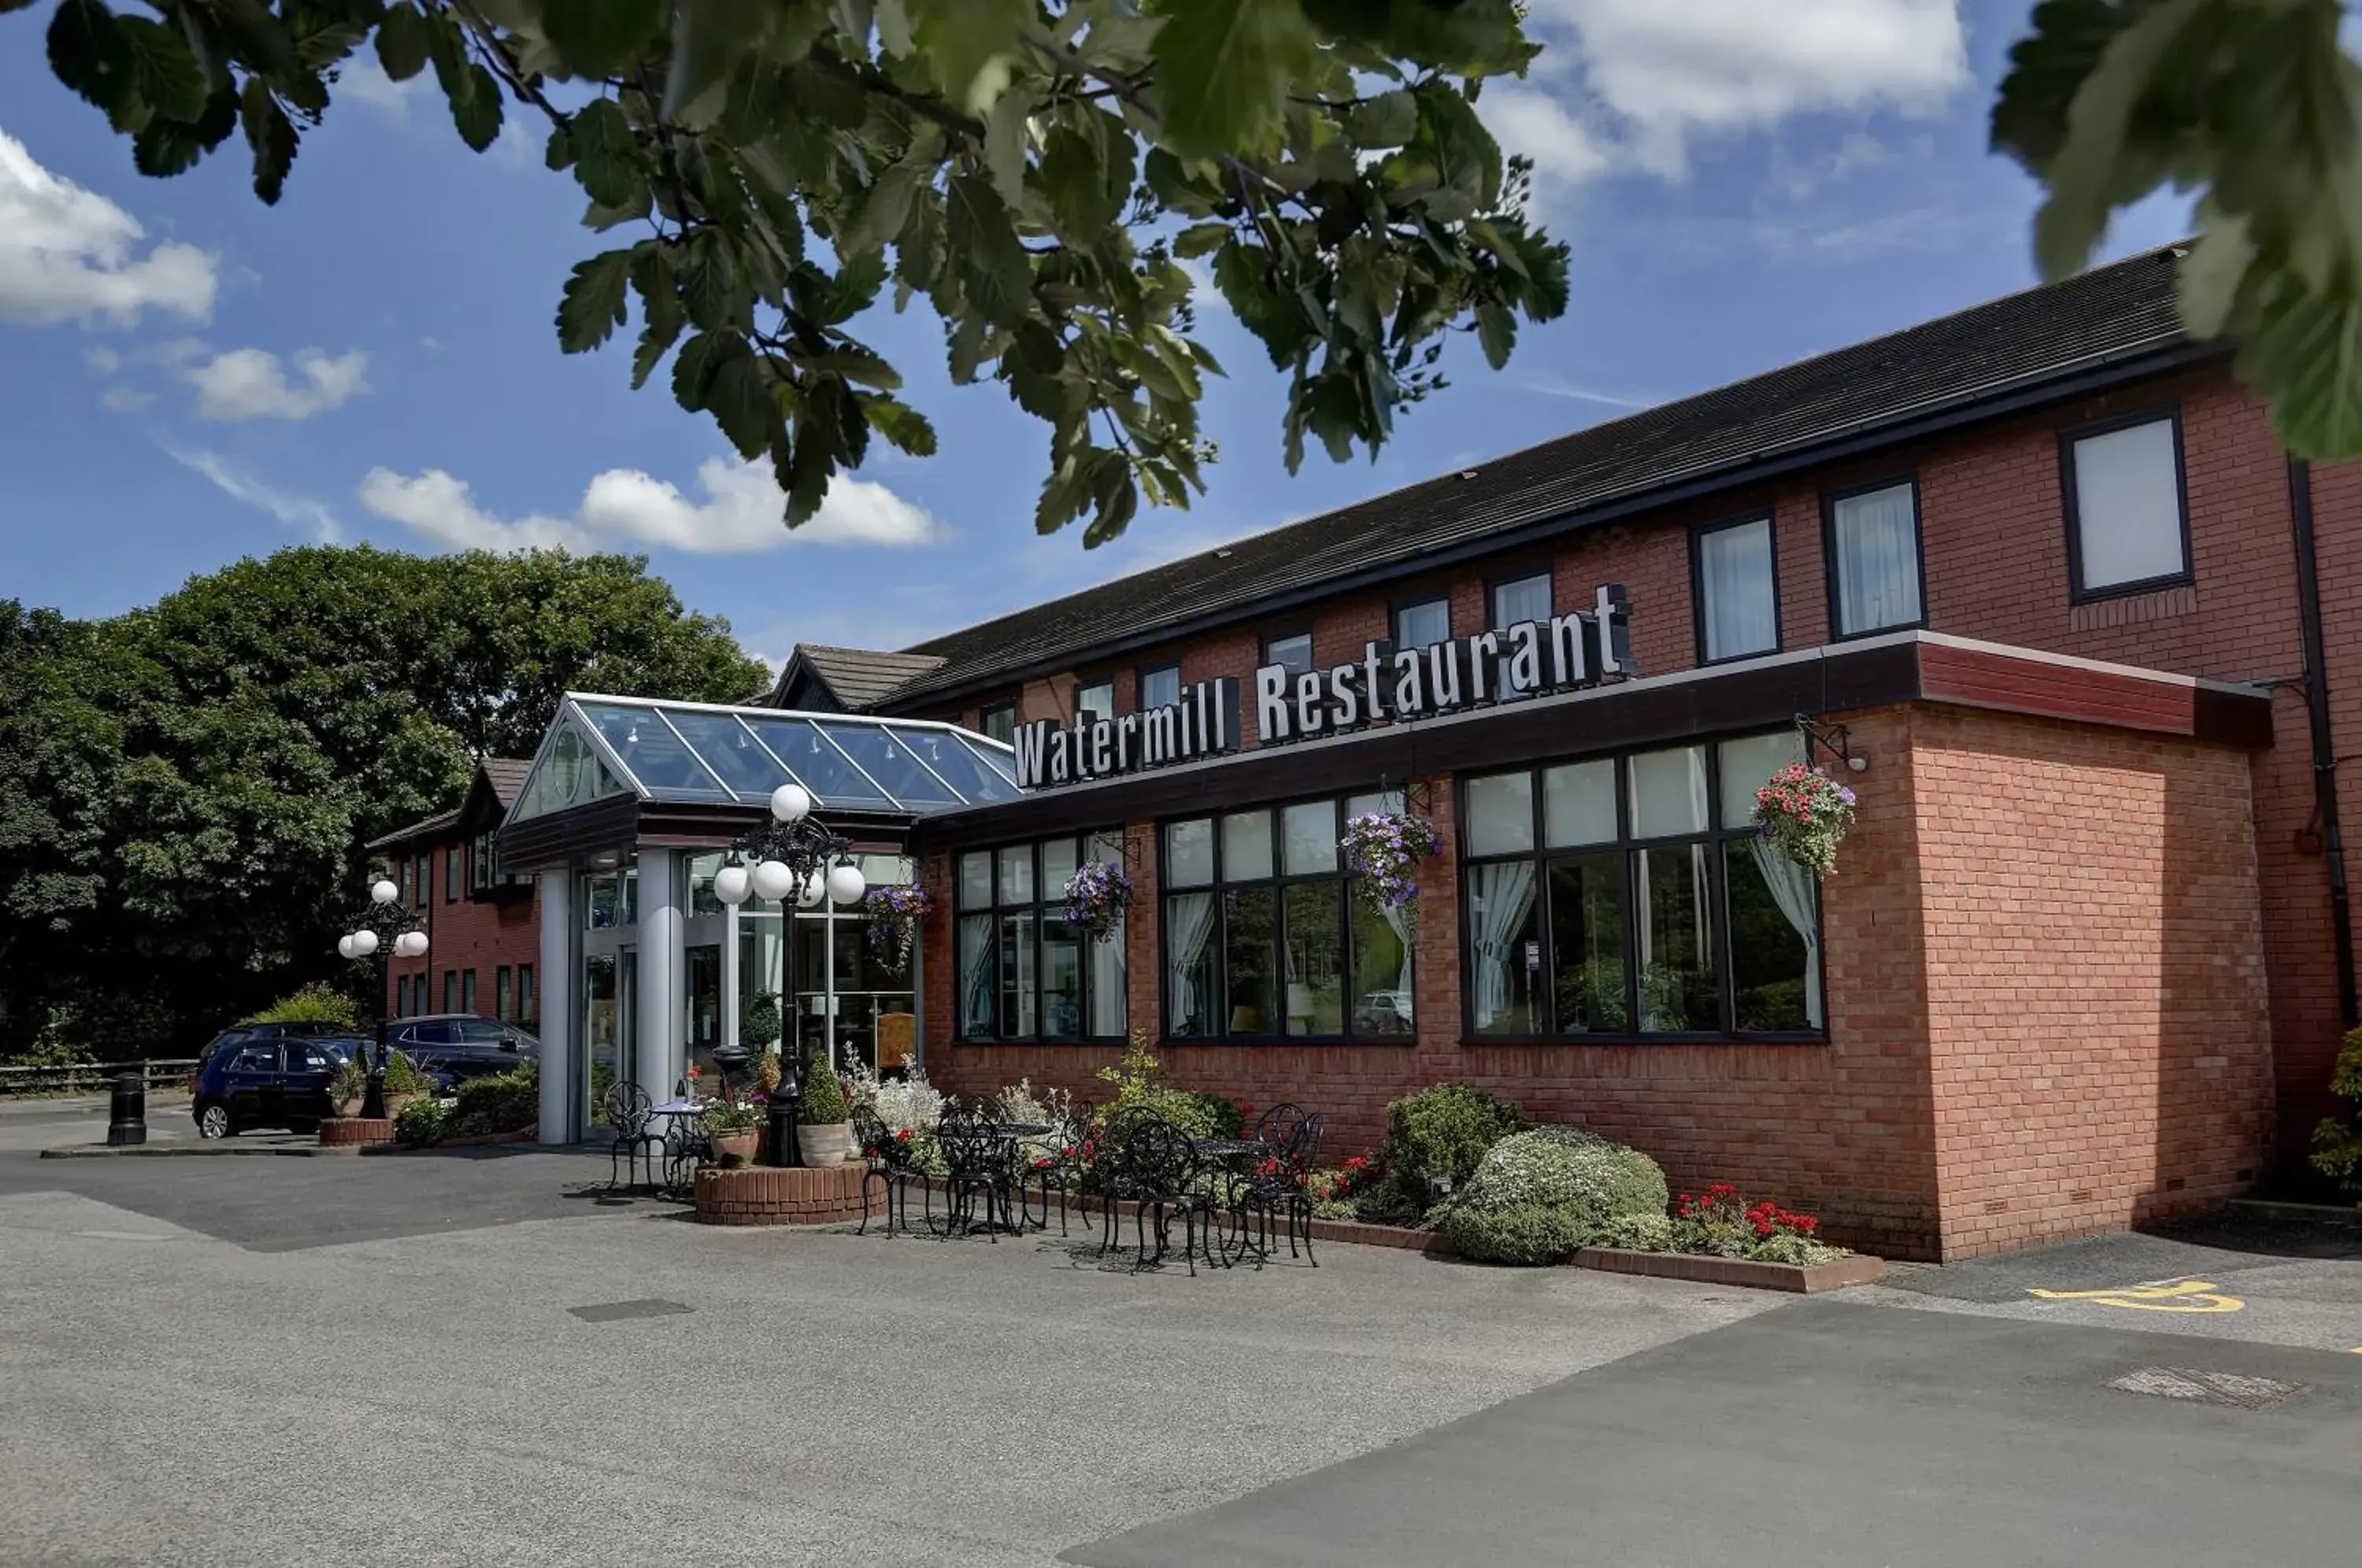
<point>909,1104</point>
<point>1536,1197</point>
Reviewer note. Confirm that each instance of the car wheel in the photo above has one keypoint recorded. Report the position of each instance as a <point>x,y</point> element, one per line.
<point>212,1121</point>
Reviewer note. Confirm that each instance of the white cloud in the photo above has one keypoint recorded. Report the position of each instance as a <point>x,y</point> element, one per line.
<point>67,254</point>
<point>743,513</point>
<point>1527,118</point>
<point>1668,72</point>
<point>248,383</point>
<point>106,362</point>
<point>125,399</point>
<point>295,511</point>
<point>361,78</point>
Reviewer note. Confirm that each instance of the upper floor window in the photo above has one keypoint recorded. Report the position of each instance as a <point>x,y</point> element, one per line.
<point>1738,601</point>
<point>1525,599</point>
<point>451,873</point>
<point>999,724</point>
<point>426,880</point>
<point>1159,687</point>
<point>2126,525</point>
<point>1294,650</point>
<point>1097,700</point>
<point>1632,897</point>
<point>1423,624</point>
<point>1875,559</point>
<point>1024,973</point>
<point>1264,938</point>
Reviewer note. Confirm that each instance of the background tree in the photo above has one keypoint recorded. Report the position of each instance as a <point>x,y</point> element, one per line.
<point>2254,104</point>
<point>1035,171</point>
<point>184,790</point>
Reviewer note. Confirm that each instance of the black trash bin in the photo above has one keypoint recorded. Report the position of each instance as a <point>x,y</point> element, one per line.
<point>127,1117</point>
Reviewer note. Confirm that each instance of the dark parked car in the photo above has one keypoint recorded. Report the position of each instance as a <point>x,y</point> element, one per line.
<point>266,1077</point>
<point>457,1047</point>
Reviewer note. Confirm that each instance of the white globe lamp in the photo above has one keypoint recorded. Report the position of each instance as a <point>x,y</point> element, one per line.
<point>732,883</point>
<point>344,947</point>
<point>383,891</point>
<point>846,884</point>
<point>410,944</point>
<point>791,802</point>
<point>364,943</point>
<point>773,880</point>
<point>815,889</point>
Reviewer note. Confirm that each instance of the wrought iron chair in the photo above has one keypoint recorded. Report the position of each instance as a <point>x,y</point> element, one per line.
<point>888,1162</point>
<point>1060,1164</point>
<point>1148,1163</point>
<point>976,1165</point>
<point>685,1149</point>
<point>1278,1187</point>
<point>625,1112</point>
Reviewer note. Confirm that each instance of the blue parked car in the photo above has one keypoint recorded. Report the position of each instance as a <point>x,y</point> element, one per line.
<point>266,1075</point>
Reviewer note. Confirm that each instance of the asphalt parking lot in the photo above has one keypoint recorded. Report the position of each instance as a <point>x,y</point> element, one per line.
<point>466,1358</point>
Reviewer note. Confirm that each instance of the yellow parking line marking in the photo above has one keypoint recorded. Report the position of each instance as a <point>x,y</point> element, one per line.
<point>2188,1295</point>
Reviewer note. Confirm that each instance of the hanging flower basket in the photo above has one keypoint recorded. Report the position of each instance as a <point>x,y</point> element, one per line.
<point>1381,850</point>
<point>1098,895</point>
<point>894,917</point>
<point>1805,815</point>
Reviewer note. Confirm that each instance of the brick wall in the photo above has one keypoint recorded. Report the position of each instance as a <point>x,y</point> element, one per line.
<point>485,934</point>
<point>1994,531</point>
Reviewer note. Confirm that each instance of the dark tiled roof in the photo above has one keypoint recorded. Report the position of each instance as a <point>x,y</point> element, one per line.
<point>425,827</point>
<point>506,775</point>
<point>860,677</point>
<point>2010,345</point>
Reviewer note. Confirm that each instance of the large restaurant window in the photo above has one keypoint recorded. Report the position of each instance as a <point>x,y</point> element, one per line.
<point>999,724</point>
<point>1264,938</point>
<point>2127,527</point>
<point>1873,543</point>
<point>1025,973</point>
<point>1738,605</point>
<point>1630,897</point>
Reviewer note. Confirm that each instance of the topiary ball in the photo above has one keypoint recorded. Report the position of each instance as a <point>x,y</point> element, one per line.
<point>1583,1180</point>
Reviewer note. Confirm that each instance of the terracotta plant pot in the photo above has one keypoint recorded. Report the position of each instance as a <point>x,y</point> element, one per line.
<point>830,1143</point>
<point>349,1105</point>
<point>733,1149</point>
<point>394,1103</point>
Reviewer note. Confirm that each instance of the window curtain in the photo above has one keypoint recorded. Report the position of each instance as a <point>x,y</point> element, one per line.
<point>1398,917</point>
<point>1878,559</point>
<point>1504,895</point>
<point>1107,1001</point>
<point>1735,571</point>
<point>1791,890</point>
<point>976,975</point>
<point>1191,920</point>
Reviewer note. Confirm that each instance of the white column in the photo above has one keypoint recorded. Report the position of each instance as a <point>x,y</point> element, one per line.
<point>731,981</point>
<point>662,1060</point>
<point>561,1031</point>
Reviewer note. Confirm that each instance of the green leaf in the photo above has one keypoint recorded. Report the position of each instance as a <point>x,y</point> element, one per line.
<point>1390,119</point>
<point>712,285</point>
<point>1497,330</point>
<point>709,38</point>
<point>87,55</point>
<point>600,38</point>
<point>1074,175</point>
<point>2087,173</point>
<point>992,264</point>
<point>1004,144</point>
<point>592,305</point>
<point>607,158</point>
<point>404,41</point>
<point>477,112</point>
<point>169,146</point>
<point>969,45</point>
<point>693,367</point>
<point>272,136</point>
<point>740,398</point>
<point>2210,274</point>
<point>164,72</point>
<point>855,365</point>
<point>877,214</point>
<point>1200,239</point>
<point>1223,70</point>
<point>901,424</point>
<point>2304,354</point>
<point>660,310</point>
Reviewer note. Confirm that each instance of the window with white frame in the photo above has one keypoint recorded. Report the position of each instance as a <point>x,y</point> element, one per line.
<point>2126,514</point>
<point>1875,559</point>
<point>1738,608</point>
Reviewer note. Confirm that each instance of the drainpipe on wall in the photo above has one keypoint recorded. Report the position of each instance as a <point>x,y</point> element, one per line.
<point>2325,751</point>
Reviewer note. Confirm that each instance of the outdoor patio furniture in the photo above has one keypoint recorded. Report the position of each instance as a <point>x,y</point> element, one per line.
<point>1276,1187</point>
<point>978,1167</point>
<point>1149,1164</point>
<point>888,1162</point>
<point>685,1147</point>
<point>1059,1164</point>
<point>625,1112</point>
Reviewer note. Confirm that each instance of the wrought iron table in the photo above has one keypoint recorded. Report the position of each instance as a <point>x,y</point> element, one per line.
<point>1008,1135</point>
<point>684,1145</point>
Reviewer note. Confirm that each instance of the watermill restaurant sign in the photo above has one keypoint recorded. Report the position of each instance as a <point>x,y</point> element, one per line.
<point>1385,685</point>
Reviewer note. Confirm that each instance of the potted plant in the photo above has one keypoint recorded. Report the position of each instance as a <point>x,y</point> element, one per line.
<point>894,917</point>
<point>734,1127</point>
<point>824,1122</point>
<point>1804,814</point>
<point>1382,849</point>
<point>1098,895</point>
<point>346,1089</point>
<point>404,1084</point>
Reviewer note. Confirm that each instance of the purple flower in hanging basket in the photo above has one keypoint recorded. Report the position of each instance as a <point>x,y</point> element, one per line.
<point>1380,849</point>
<point>1097,895</point>
<point>894,917</point>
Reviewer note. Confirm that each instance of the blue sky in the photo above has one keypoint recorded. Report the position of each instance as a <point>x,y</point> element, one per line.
<point>187,377</point>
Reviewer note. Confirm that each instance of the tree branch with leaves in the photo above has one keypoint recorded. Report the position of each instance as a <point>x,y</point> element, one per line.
<point>1037,171</point>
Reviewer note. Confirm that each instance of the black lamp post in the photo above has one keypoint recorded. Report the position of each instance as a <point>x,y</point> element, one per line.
<point>383,930</point>
<point>792,859</point>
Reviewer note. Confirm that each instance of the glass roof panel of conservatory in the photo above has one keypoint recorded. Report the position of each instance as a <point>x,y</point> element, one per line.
<point>698,752</point>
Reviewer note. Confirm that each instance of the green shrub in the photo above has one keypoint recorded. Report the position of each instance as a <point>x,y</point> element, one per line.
<point>1535,1190</point>
<point>822,1103</point>
<point>403,1076</point>
<point>351,1081</point>
<point>1441,1133</point>
<point>2338,1140</point>
<point>1141,1086</point>
<point>509,1103</point>
<point>1636,1233</point>
<point>1222,1115</point>
<point>1526,1234</point>
<point>315,1003</point>
<point>421,1124</point>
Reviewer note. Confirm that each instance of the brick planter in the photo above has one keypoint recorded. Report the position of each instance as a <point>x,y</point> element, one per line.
<point>470,1140</point>
<point>760,1195</point>
<point>1735,1270</point>
<point>353,1131</point>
